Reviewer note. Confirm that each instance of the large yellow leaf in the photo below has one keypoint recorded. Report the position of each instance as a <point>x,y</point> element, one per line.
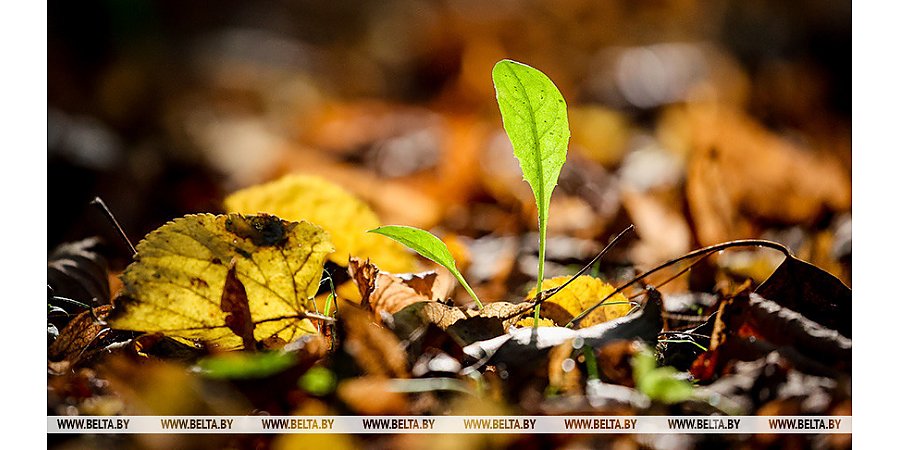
<point>583,293</point>
<point>346,218</point>
<point>175,285</point>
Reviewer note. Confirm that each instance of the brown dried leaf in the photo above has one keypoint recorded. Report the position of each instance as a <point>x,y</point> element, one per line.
<point>465,326</point>
<point>376,350</point>
<point>78,335</point>
<point>235,303</point>
<point>811,291</point>
<point>389,293</point>
<point>739,170</point>
<point>769,326</point>
<point>562,372</point>
<point>372,396</point>
<point>413,299</point>
<point>78,271</point>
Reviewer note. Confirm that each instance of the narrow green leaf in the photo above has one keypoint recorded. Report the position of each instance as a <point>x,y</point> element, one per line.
<point>429,246</point>
<point>658,383</point>
<point>535,119</point>
<point>243,365</point>
<point>318,381</point>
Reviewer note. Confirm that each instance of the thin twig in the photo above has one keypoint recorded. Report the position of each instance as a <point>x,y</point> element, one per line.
<point>115,223</point>
<point>71,302</point>
<point>668,280</point>
<point>693,254</point>
<point>684,341</point>
<point>684,317</point>
<point>687,333</point>
<point>544,295</point>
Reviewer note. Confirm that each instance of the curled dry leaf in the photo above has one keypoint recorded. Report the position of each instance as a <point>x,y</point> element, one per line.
<point>340,213</point>
<point>810,291</point>
<point>82,331</point>
<point>749,327</point>
<point>176,283</point>
<point>417,300</point>
<point>384,292</point>
<point>464,326</point>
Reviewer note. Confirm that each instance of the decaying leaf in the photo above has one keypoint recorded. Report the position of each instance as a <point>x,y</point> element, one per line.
<point>77,271</point>
<point>176,283</point>
<point>418,300</point>
<point>341,214</point>
<point>738,170</point>
<point>579,295</point>
<point>810,291</point>
<point>520,347</point>
<point>465,326</point>
<point>385,292</point>
<point>748,327</point>
<point>78,335</point>
<point>375,350</point>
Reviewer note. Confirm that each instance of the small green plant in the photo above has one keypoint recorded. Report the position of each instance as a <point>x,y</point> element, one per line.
<point>658,383</point>
<point>429,246</point>
<point>534,117</point>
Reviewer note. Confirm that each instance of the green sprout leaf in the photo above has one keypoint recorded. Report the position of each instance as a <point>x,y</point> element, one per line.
<point>535,119</point>
<point>318,381</point>
<point>658,383</point>
<point>429,246</point>
<point>243,365</point>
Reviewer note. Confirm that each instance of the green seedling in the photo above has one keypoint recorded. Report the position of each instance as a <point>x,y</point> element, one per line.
<point>429,246</point>
<point>535,119</point>
<point>658,383</point>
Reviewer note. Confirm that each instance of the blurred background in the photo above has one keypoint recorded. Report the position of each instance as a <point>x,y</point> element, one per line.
<point>698,121</point>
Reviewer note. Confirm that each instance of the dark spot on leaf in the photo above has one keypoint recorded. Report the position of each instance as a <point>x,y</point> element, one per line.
<point>263,230</point>
<point>234,302</point>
